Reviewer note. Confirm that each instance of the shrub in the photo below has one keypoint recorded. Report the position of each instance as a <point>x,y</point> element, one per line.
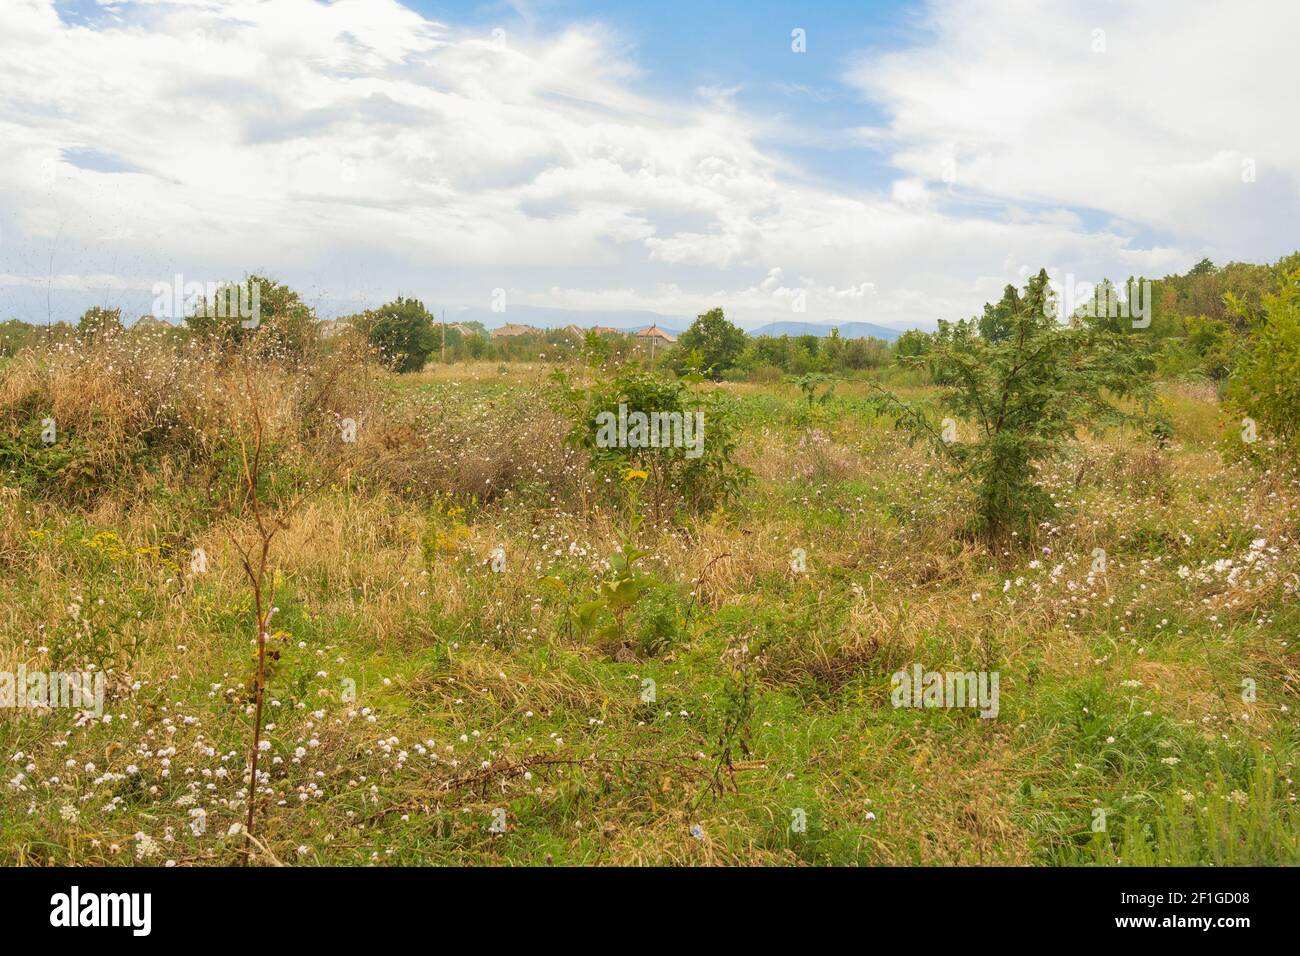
<point>698,478</point>
<point>285,329</point>
<point>98,323</point>
<point>1025,395</point>
<point>14,336</point>
<point>1266,384</point>
<point>126,408</point>
<point>403,333</point>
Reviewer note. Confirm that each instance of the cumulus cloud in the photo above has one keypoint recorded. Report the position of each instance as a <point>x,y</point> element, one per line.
<point>359,149</point>
<point>1166,113</point>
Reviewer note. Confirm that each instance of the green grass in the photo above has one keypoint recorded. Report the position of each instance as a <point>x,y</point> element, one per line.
<point>1124,694</point>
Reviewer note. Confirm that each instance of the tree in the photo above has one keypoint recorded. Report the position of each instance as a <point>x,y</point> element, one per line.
<point>97,323</point>
<point>911,344</point>
<point>833,349</point>
<point>996,322</point>
<point>865,353</point>
<point>1020,398</point>
<point>594,349</point>
<point>1266,383</point>
<point>718,343</point>
<point>278,322</point>
<point>403,332</point>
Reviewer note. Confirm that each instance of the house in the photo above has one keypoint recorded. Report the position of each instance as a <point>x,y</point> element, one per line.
<point>606,330</point>
<point>509,330</point>
<point>330,328</point>
<point>657,334</point>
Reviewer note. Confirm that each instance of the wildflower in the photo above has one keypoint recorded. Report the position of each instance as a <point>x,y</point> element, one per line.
<point>145,846</point>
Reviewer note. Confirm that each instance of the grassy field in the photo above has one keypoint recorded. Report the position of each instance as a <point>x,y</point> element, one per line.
<point>426,708</point>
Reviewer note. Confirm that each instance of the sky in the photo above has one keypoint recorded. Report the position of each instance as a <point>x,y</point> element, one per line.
<point>887,162</point>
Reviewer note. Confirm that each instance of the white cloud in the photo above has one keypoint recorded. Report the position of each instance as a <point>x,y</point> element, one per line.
<point>1144,111</point>
<point>359,149</point>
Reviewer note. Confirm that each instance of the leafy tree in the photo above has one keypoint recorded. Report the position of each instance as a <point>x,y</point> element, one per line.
<point>717,341</point>
<point>1019,398</point>
<point>595,351</point>
<point>1212,342</point>
<point>833,349</point>
<point>403,332</point>
<point>1266,383</point>
<point>995,324</point>
<point>283,326</point>
<point>865,353</point>
<point>912,344</point>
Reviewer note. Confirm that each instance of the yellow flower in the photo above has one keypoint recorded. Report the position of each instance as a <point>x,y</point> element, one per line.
<point>633,473</point>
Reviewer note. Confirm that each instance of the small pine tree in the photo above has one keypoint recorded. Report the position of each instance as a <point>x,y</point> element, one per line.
<point>1020,397</point>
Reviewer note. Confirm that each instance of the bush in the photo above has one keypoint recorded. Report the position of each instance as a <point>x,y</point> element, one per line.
<point>1025,395</point>
<point>698,477</point>
<point>403,333</point>
<point>14,337</point>
<point>98,323</point>
<point>285,325</point>
<point>1266,384</point>
<point>127,410</point>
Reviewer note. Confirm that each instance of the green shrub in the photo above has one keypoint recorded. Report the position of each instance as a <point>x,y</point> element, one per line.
<point>403,333</point>
<point>285,326</point>
<point>1020,398</point>
<point>697,476</point>
<point>1266,384</point>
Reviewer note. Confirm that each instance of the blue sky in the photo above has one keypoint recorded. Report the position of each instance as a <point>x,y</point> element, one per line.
<point>681,47</point>
<point>668,158</point>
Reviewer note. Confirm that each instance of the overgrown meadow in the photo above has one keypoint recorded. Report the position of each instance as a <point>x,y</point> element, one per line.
<point>480,639</point>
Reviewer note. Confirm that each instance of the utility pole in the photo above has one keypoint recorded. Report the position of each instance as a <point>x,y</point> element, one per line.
<point>444,336</point>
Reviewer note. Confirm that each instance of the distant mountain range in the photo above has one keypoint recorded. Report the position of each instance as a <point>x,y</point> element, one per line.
<point>848,330</point>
